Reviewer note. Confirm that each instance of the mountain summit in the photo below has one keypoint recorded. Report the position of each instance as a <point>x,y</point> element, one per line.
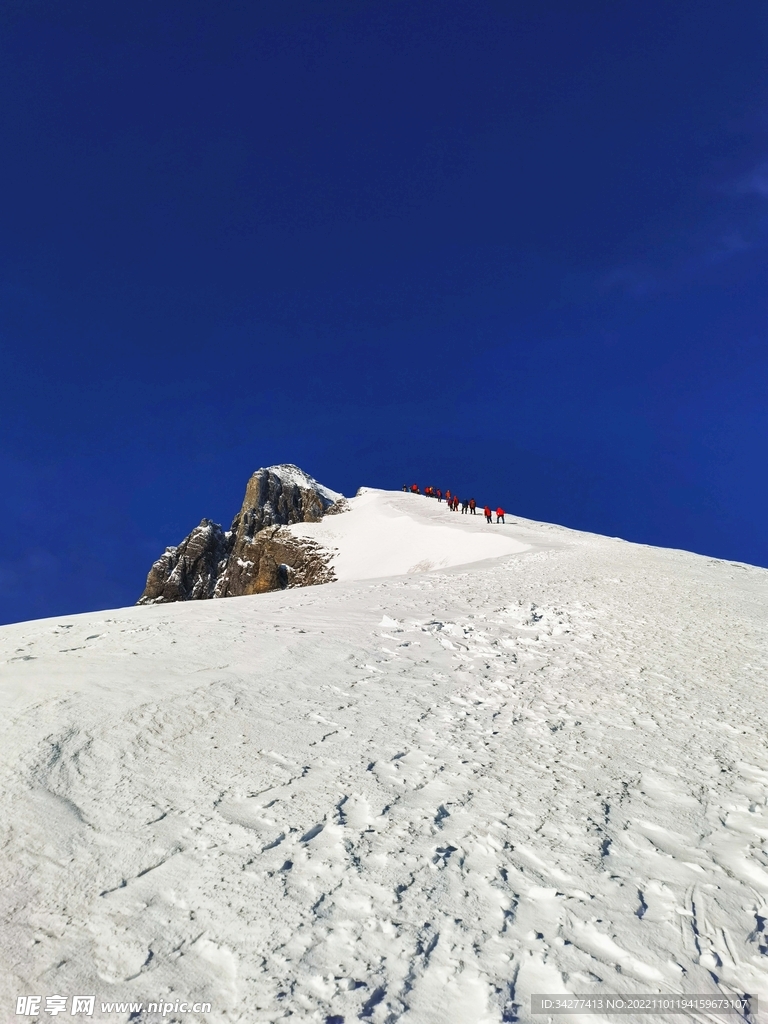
<point>257,554</point>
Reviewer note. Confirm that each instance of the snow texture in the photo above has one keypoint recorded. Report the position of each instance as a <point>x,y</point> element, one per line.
<point>416,798</point>
<point>389,533</point>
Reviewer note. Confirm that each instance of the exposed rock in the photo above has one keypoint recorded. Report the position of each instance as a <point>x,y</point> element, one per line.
<point>189,571</point>
<point>256,554</point>
<point>282,495</point>
<point>273,560</point>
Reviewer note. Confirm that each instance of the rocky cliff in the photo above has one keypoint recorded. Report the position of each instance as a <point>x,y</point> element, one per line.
<point>257,553</point>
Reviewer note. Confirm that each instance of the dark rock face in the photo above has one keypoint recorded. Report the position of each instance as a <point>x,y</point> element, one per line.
<point>256,554</point>
<point>279,496</point>
<point>189,572</point>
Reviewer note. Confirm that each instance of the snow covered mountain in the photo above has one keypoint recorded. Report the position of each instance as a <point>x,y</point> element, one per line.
<point>490,761</point>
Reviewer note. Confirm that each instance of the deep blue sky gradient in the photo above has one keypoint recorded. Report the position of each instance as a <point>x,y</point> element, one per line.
<point>514,249</point>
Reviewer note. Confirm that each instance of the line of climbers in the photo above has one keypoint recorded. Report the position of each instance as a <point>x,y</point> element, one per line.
<point>453,502</point>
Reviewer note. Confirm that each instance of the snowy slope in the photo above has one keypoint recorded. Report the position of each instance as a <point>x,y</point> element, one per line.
<point>389,533</point>
<point>417,798</point>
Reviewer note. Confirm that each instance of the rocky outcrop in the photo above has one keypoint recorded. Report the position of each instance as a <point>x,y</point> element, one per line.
<point>281,495</point>
<point>274,560</point>
<point>190,571</point>
<point>257,554</point>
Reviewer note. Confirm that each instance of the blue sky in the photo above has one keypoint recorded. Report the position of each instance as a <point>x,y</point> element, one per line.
<point>518,250</point>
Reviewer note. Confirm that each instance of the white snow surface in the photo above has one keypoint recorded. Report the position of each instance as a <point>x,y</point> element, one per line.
<point>389,533</point>
<point>418,798</point>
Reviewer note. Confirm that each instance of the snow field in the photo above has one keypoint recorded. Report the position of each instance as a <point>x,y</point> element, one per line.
<point>415,799</point>
<point>390,533</point>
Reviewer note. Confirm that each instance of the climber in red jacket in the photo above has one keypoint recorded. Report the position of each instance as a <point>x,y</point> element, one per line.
<point>488,514</point>
<point>414,488</point>
<point>473,506</point>
<point>499,515</point>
